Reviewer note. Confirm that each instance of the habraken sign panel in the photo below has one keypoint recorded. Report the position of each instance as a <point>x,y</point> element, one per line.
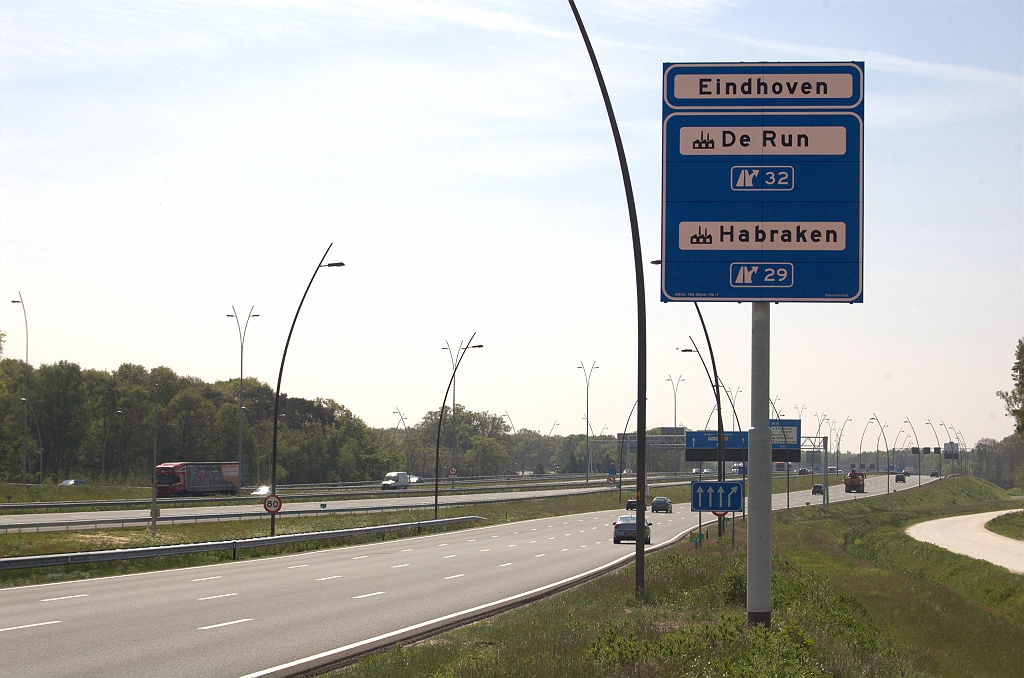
<point>763,193</point>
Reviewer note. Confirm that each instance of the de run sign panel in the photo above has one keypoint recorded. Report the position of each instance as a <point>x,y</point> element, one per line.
<point>763,182</point>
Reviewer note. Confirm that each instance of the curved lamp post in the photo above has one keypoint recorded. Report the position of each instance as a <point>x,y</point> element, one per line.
<point>514,433</point>
<point>641,306</point>
<point>440,419</point>
<point>256,437</point>
<point>408,449</point>
<point>920,452</point>
<point>103,455</point>
<point>882,433</point>
<point>24,458</point>
<point>241,375</point>
<point>675,392</point>
<point>586,376</point>
<point>280,374</point>
<point>455,357</point>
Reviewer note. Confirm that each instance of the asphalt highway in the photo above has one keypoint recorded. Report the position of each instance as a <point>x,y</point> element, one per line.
<point>968,536</point>
<point>277,616</point>
<point>86,519</point>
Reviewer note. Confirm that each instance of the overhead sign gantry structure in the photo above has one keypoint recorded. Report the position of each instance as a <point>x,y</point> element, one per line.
<point>762,201</point>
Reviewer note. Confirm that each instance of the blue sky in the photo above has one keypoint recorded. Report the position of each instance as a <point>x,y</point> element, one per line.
<point>162,161</point>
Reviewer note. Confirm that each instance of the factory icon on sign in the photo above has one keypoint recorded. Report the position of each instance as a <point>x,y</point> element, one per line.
<point>704,143</point>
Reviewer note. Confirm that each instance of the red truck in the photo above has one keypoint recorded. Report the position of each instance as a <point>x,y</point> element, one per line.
<point>193,478</point>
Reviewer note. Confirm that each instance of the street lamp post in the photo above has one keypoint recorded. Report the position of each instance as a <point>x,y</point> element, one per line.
<point>586,376</point>
<point>408,449</point>
<point>440,418</point>
<point>516,434</point>
<point>39,437</point>
<point>455,357</point>
<point>861,447</point>
<point>881,432</point>
<point>938,448</point>
<point>256,437</point>
<point>156,413</point>
<point>920,452</point>
<point>24,458</point>
<point>241,375</point>
<point>675,393</point>
<point>103,455</point>
<point>716,386</point>
<point>280,374</point>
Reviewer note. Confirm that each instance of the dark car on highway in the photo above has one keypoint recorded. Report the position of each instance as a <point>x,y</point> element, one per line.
<point>900,478</point>
<point>661,505</point>
<point>934,473</point>
<point>817,489</point>
<point>625,528</point>
<point>631,504</point>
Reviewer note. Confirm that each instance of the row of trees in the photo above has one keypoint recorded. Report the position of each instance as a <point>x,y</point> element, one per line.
<point>97,424</point>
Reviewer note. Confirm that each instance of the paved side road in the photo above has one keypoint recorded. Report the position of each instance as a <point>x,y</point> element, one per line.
<point>968,536</point>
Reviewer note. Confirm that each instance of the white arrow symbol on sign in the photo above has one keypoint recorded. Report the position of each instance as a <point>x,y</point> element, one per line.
<point>732,492</point>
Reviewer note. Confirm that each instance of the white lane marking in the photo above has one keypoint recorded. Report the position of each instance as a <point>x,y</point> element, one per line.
<point>407,550</point>
<point>583,546</point>
<point>472,540</point>
<point>511,546</point>
<point>515,533</point>
<point>333,576</point>
<point>48,600</point>
<point>565,523</point>
<point>533,529</point>
<point>292,567</point>
<point>550,537</point>
<point>28,626</point>
<point>421,625</point>
<point>451,556</point>
<point>565,549</point>
<point>395,567</point>
<point>368,595</point>
<point>567,534</point>
<point>207,578</point>
<point>223,595</point>
<point>455,576</point>
<point>504,565</point>
<point>217,626</point>
<point>484,550</point>
<point>358,557</point>
<point>494,536</point>
<point>540,555</point>
<point>442,544</point>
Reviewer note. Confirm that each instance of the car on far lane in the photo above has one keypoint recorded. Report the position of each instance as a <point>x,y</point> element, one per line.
<point>934,473</point>
<point>661,505</point>
<point>625,528</point>
<point>631,504</point>
<point>71,482</point>
<point>802,472</point>
<point>817,489</point>
<point>900,478</point>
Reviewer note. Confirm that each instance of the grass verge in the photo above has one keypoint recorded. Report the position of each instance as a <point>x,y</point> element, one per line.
<point>853,596</point>
<point>1009,525</point>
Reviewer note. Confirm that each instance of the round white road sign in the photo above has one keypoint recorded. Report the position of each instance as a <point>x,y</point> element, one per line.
<point>452,471</point>
<point>272,503</point>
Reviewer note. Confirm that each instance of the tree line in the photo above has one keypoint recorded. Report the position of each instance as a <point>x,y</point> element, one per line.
<point>102,425</point>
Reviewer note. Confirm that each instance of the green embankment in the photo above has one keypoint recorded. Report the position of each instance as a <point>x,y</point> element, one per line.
<point>853,595</point>
<point>1009,525</point>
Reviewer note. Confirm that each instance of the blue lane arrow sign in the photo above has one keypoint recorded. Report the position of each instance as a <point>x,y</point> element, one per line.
<point>716,496</point>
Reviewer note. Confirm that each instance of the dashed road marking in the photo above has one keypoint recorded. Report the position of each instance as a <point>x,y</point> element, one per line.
<point>223,595</point>
<point>368,595</point>
<point>207,578</point>
<point>28,626</point>
<point>217,626</point>
<point>455,576</point>
<point>333,576</point>
<point>49,600</point>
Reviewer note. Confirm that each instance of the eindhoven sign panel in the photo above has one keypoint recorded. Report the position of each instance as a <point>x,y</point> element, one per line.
<point>702,446</point>
<point>763,182</point>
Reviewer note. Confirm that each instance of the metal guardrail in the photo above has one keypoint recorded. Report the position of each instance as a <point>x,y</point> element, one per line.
<point>256,515</point>
<point>20,562</point>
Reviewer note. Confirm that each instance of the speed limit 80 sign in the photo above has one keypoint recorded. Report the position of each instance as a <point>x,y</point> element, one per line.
<point>272,503</point>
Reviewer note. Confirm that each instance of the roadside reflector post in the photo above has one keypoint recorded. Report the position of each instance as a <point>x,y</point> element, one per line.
<point>759,530</point>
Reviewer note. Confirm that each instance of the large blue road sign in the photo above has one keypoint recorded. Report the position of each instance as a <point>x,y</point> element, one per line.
<point>763,193</point>
<point>716,496</point>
